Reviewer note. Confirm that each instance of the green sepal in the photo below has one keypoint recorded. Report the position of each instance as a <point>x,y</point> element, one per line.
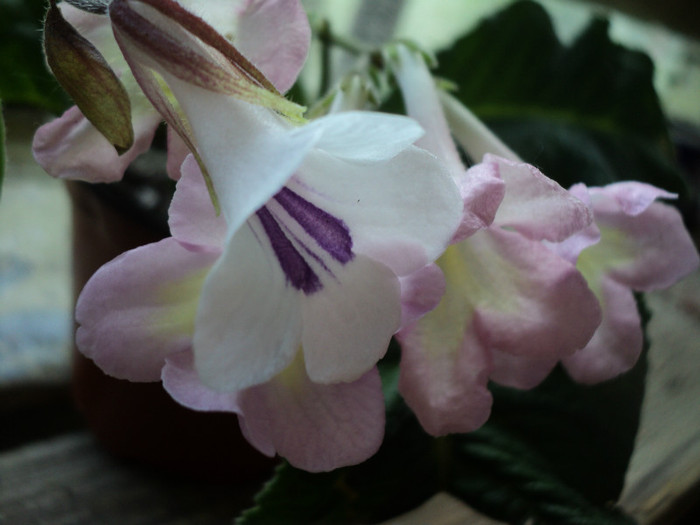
<point>85,75</point>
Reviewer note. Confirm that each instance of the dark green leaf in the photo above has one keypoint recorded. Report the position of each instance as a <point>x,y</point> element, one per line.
<point>84,73</point>
<point>557,453</point>
<point>585,433</point>
<point>583,113</point>
<point>25,79</point>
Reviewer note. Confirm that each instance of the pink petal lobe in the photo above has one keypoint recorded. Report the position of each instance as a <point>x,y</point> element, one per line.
<point>139,308</point>
<point>315,427</point>
<point>421,291</point>
<point>617,343</point>
<point>632,197</point>
<point>527,300</point>
<point>535,205</point>
<point>520,371</point>
<point>274,35</point>
<point>177,152</point>
<point>646,251</point>
<point>192,217</point>
<point>181,381</point>
<point>445,388</point>
<point>482,192</point>
<point>69,147</point>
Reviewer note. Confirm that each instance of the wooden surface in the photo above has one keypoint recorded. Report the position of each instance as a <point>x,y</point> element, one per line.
<point>69,480</point>
<point>663,478</point>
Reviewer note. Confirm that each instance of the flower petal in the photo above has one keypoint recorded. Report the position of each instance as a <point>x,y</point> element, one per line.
<point>177,152</point>
<point>315,427</point>
<point>274,35</point>
<point>535,205</point>
<point>645,251</point>
<point>617,343</point>
<point>528,301</point>
<point>140,307</point>
<point>347,325</point>
<point>192,217</point>
<point>472,134</point>
<point>404,229</point>
<point>520,371</point>
<point>421,101</point>
<point>632,197</point>
<point>571,247</point>
<point>249,152</point>
<point>69,147</point>
<point>444,380</point>
<point>421,291</point>
<point>482,191</point>
<point>248,321</point>
<point>363,136</point>
<point>181,381</point>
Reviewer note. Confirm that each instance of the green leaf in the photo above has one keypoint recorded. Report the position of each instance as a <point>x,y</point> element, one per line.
<point>557,453</point>
<point>87,77</point>
<point>25,79</point>
<point>585,433</point>
<point>583,113</point>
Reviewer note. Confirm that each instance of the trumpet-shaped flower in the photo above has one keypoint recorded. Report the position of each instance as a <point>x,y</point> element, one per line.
<point>279,308</point>
<point>70,147</point>
<point>506,293</point>
<point>635,244</point>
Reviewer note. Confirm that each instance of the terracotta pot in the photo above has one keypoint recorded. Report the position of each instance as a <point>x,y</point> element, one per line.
<point>139,420</point>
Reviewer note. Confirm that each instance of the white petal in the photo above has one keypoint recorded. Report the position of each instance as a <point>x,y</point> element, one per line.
<point>472,134</point>
<point>365,136</point>
<point>349,322</point>
<point>248,151</point>
<point>421,100</point>
<point>401,212</point>
<point>248,323</point>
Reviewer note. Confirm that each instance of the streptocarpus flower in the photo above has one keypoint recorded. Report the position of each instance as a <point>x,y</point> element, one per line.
<point>506,292</point>
<point>635,244</point>
<point>70,147</point>
<point>279,308</point>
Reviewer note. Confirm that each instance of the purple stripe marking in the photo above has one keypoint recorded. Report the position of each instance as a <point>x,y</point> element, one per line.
<point>294,266</point>
<point>331,233</point>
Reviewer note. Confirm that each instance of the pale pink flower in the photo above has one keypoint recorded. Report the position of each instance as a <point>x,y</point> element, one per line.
<point>506,293</point>
<point>636,244</point>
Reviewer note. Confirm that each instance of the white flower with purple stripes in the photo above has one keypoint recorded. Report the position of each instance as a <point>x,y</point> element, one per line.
<point>279,307</point>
